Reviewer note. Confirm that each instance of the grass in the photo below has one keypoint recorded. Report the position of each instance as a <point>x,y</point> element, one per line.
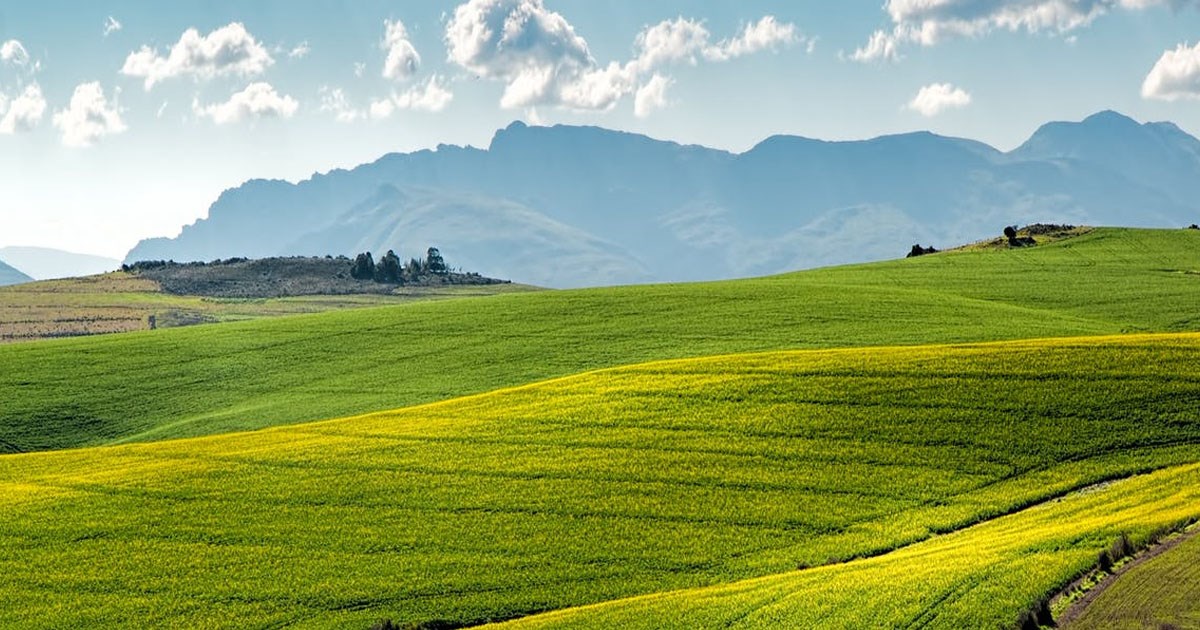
<point>245,375</point>
<point>1161,592</point>
<point>985,576</point>
<point>673,475</point>
<point>120,302</point>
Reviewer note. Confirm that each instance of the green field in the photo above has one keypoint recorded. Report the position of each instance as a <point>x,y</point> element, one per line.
<point>980,577</point>
<point>1162,592</point>
<point>613,484</point>
<point>211,379</point>
<point>122,302</point>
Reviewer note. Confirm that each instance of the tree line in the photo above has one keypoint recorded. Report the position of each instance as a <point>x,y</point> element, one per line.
<point>391,270</point>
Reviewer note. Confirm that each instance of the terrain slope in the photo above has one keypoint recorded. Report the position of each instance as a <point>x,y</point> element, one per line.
<point>245,375</point>
<point>123,302</point>
<point>633,481</point>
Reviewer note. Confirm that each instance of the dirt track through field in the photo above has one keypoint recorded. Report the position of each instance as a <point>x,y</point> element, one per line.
<point>1076,609</point>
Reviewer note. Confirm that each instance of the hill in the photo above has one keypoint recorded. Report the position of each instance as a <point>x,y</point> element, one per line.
<point>244,375</point>
<point>44,263</point>
<point>287,277</point>
<point>611,207</point>
<point>637,480</point>
<point>125,302</point>
<point>9,275</point>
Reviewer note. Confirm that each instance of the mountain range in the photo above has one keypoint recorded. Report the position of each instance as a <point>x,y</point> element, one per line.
<point>44,263</point>
<point>571,206</point>
<point>9,275</point>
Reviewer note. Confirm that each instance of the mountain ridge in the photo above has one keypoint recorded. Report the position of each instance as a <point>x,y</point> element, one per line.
<point>620,207</point>
<point>12,275</point>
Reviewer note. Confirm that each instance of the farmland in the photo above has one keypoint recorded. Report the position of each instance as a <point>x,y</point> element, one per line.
<point>121,302</point>
<point>984,576</point>
<point>245,375</point>
<point>688,476</point>
<point>1162,592</point>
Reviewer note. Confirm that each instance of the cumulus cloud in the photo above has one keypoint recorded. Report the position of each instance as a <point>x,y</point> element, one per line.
<point>928,22</point>
<point>935,98</point>
<point>360,68</point>
<point>1175,76</point>
<point>89,117</point>
<point>651,96</point>
<point>299,51</point>
<point>334,101</point>
<point>13,52</point>
<point>24,112</point>
<point>111,25</point>
<point>766,34</point>
<point>541,60</point>
<point>258,100</point>
<point>402,59</point>
<point>229,50</point>
<point>431,96</point>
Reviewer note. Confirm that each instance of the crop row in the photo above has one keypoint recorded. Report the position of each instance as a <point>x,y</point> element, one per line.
<point>596,487</point>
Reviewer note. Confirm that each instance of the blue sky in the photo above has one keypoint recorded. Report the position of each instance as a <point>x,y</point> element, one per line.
<point>123,120</point>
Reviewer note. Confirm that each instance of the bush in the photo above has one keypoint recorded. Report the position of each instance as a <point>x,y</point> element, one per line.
<point>917,250</point>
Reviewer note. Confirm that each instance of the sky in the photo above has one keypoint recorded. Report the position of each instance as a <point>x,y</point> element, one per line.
<point>125,120</point>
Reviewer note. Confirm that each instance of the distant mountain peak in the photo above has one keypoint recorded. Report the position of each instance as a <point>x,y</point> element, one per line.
<point>1109,117</point>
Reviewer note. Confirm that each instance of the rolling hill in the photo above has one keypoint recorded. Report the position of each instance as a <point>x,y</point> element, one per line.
<point>245,375</point>
<point>688,474</point>
<point>124,302</point>
<point>613,207</point>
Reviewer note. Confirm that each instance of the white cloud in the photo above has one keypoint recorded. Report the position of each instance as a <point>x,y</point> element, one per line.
<point>111,25</point>
<point>928,22</point>
<point>431,96</point>
<point>935,98</point>
<point>258,100</point>
<point>881,45</point>
<point>1175,76</point>
<point>766,34</point>
<point>541,60</point>
<point>360,68</point>
<point>229,50</point>
<point>300,51</point>
<point>161,109</point>
<point>24,112</point>
<point>670,41</point>
<point>651,96</point>
<point>13,52</point>
<point>89,117</point>
<point>333,101</point>
<point>402,58</point>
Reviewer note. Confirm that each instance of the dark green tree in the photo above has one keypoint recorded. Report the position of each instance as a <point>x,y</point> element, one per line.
<point>433,260</point>
<point>388,269</point>
<point>363,267</point>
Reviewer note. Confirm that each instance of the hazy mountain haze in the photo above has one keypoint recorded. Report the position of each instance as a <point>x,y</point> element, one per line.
<point>571,206</point>
<point>9,275</point>
<point>44,263</point>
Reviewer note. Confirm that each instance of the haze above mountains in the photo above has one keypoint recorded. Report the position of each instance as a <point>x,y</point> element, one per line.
<point>581,206</point>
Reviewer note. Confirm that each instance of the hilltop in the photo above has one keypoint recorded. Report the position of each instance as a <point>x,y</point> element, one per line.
<point>285,277</point>
<point>243,375</point>
<point>570,206</point>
